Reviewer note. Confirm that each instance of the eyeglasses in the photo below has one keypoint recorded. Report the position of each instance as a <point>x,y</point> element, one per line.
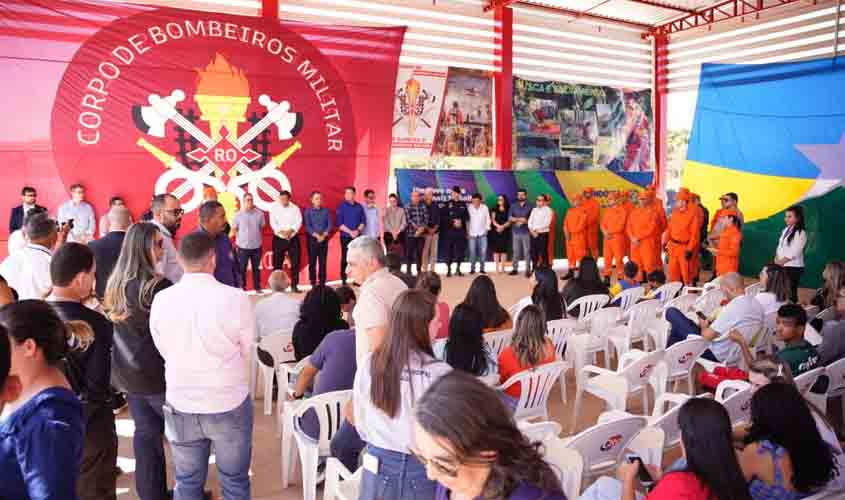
<point>175,211</point>
<point>450,470</point>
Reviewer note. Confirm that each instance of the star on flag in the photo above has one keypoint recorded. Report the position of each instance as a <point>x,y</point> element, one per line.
<point>829,158</point>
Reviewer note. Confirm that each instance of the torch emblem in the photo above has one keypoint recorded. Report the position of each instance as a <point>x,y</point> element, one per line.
<point>221,158</point>
<point>413,100</point>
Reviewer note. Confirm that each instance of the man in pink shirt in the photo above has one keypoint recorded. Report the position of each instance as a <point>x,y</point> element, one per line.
<point>204,330</point>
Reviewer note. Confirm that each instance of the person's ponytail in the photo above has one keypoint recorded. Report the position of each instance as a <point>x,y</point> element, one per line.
<point>78,335</point>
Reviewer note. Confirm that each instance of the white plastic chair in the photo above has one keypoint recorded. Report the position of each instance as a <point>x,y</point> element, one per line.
<point>665,416</point>
<point>517,308</point>
<point>280,348</point>
<point>601,323</point>
<point>567,463</point>
<point>648,444</point>
<point>329,410</point>
<point>438,346</point>
<point>657,333</point>
<point>535,386</point>
<point>539,431</point>
<point>639,318</point>
<point>827,314</point>
<point>680,359</point>
<point>559,331</point>
<point>806,381</point>
<point>735,396</point>
<point>284,415</point>
<point>669,291</point>
<point>812,312</point>
<point>635,373</point>
<point>708,302</point>
<point>334,488</point>
<point>602,445</point>
<point>712,284</point>
<point>836,381</point>
<point>497,341</point>
<point>754,289</point>
<point>588,305</point>
<point>629,297</point>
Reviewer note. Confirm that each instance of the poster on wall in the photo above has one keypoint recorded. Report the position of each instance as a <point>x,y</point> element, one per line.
<point>148,100</point>
<point>416,109</point>
<point>563,126</point>
<point>465,127</point>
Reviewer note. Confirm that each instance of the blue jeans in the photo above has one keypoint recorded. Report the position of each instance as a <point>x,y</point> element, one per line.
<point>346,445</point>
<point>191,436</point>
<point>683,327</point>
<point>477,250</point>
<point>521,250</point>
<point>151,466</point>
<point>400,477</point>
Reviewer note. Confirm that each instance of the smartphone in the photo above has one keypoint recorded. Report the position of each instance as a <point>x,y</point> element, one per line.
<point>643,475</point>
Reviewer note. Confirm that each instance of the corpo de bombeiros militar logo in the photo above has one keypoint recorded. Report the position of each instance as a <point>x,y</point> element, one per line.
<point>237,104</point>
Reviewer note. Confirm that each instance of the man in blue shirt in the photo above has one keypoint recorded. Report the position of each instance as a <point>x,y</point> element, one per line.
<point>318,225</point>
<point>351,220</point>
<point>519,213</point>
<point>213,222</point>
<point>454,229</point>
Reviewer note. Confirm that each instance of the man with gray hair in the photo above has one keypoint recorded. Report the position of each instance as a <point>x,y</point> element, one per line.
<point>279,312</point>
<point>379,290</point>
<point>28,270</point>
<point>107,249</point>
<point>742,313</point>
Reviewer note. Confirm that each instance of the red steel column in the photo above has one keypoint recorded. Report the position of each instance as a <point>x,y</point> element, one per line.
<point>270,9</point>
<point>504,89</point>
<point>660,54</point>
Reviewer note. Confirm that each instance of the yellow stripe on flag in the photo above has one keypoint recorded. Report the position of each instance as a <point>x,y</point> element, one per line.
<point>603,181</point>
<point>760,196</point>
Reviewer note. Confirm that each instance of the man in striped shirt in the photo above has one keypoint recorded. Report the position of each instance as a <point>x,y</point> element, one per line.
<point>416,214</point>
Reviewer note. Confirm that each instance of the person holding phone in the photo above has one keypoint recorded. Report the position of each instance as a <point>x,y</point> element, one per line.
<point>712,469</point>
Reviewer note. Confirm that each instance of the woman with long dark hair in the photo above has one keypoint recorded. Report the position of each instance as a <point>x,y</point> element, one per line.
<point>790,250</point>
<point>465,349</point>
<point>776,288</point>
<point>529,348</point>
<point>42,429</point>
<point>137,365</point>
<point>498,238</point>
<point>711,470</point>
<point>588,282</point>
<point>388,383</point>
<point>482,296</point>
<point>785,457</point>
<point>319,315</point>
<point>546,295</point>
<point>472,448</point>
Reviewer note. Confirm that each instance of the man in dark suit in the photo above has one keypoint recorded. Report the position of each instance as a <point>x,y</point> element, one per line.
<point>28,196</point>
<point>107,249</point>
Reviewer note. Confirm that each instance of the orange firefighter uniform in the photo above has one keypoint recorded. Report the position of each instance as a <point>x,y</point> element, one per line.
<point>593,207</point>
<point>643,231</point>
<point>629,207</point>
<point>682,239</point>
<point>695,264</point>
<point>575,225</point>
<point>727,254</point>
<point>613,221</point>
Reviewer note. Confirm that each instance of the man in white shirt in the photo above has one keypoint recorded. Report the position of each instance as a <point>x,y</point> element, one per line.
<point>279,312</point>
<point>477,228</point>
<point>286,219</point>
<point>379,290</point>
<point>742,313</point>
<point>79,214</point>
<point>539,223</point>
<point>28,271</point>
<point>204,331</point>
<point>167,216</point>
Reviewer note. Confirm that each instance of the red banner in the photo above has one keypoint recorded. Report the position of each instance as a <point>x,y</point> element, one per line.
<point>132,101</point>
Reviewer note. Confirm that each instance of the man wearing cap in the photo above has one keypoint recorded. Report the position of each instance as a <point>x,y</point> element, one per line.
<point>454,230</point>
<point>593,208</point>
<point>575,232</point>
<point>613,221</point>
<point>682,238</point>
<point>729,201</point>
<point>643,231</point>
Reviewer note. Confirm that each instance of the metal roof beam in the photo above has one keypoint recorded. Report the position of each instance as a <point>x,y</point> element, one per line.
<point>653,3</point>
<point>723,11</point>
<point>574,14</point>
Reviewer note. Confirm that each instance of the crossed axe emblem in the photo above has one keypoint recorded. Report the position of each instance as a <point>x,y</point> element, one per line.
<point>152,119</point>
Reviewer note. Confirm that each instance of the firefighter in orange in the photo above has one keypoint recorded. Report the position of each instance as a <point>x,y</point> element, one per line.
<point>701,221</point>
<point>593,208</point>
<point>629,206</point>
<point>575,231</point>
<point>613,220</point>
<point>682,238</point>
<point>643,231</point>
<point>730,241</point>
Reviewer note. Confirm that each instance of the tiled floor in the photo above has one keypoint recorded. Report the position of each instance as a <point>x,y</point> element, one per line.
<point>266,465</point>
